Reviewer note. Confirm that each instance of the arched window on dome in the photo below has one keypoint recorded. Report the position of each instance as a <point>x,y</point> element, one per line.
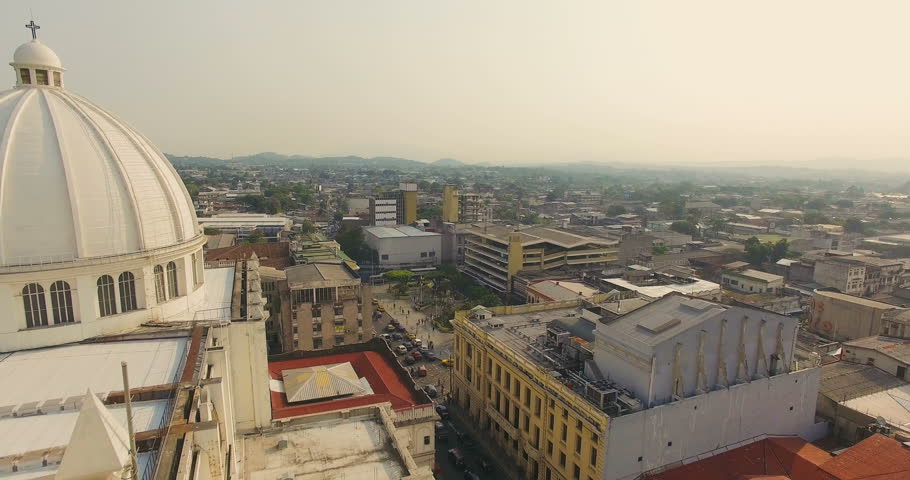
<point>25,76</point>
<point>172,280</point>
<point>159,284</point>
<point>127,283</point>
<point>62,302</point>
<point>35,306</point>
<point>107,302</point>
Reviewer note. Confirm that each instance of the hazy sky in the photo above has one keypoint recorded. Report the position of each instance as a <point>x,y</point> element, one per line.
<point>493,81</point>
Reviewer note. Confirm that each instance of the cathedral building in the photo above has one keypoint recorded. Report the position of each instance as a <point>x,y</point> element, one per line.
<point>108,308</point>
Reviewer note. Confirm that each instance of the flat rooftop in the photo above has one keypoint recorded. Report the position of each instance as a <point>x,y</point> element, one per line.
<point>696,288</point>
<point>756,275</point>
<point>562,290</point>
<point>351,448</point>
<point>398,232</point>
<point>896,348</point>
<point>388,383</point>
<point>66,371</point>
<point>318,272</point>
<point>535,235</point>
<point>845,380</point>
<point>53,430</point>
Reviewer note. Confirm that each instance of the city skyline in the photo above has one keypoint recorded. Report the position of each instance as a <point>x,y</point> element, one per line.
<point>503,84</point>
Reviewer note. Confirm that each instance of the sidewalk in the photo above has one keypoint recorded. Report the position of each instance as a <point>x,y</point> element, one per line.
<point>486,446</point>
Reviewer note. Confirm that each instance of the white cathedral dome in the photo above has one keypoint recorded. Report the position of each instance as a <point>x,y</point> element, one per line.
<point>75,181</point>
<point>36,53</point>
<point>97,232</point>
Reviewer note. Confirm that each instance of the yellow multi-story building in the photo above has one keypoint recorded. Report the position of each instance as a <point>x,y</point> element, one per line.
<point>547,429</point>
<point>584,390</point>
<point>494,254</point>
<point>449,203</point>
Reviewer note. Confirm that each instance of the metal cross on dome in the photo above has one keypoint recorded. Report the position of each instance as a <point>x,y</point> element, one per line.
<point>34,28</point>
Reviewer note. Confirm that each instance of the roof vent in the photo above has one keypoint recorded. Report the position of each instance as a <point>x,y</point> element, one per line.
<point>659,324</point>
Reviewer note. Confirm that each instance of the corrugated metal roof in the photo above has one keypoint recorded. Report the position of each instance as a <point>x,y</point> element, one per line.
<point>321,381</point>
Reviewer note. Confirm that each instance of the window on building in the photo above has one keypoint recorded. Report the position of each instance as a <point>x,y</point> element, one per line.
<point>549,447</point>
<point>383,257</point>
<point>593,457</point>
<point>565,431</point>
<point>127,283</point>
<point>576,472</point>
<point>432,254</point>
<point>26,76</point>
<point>426,440</point>
<point>562,459</point>
<point>901,372</point>
<point>195,272</point>
<point>317,343</point>
<point>172,280</point>
<point>41,77</point>
<point>160,295</point>
<point>577,443</point>
<point>552,417</point>
<point>527,397</point>
<point>35,306</point>
<point>58,81</point>
<point>423,254</point>
<point>536,407</point>
<point>107,301</point>
<point>62,302</point>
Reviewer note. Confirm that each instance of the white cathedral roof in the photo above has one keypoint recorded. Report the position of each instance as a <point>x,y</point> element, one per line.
<point>75,181</point>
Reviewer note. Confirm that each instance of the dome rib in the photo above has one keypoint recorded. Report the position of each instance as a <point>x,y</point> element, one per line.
<point>67,169</point>
<point>131,134</point>
<point>115,159</point>
<point>4,153</point>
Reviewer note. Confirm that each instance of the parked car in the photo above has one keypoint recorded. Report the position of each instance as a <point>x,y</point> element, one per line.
<point>410,336</point>
<point>409,360</point>
<point>428,356</point>
<point>390,327</point>
<point>449,362</point>
<point>386,337</point>
<point>401,350</point>
<point>418,342</point>
<point>408,345</point>
<point>442,411</point>
<point>431,391</point>
<point>402,329</point>
<point>417,356</point>
<point>396,336</point>
<point>457,458</point>
<point>375,301</point>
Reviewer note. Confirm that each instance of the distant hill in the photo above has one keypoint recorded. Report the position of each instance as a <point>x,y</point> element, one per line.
<point>448,162</point>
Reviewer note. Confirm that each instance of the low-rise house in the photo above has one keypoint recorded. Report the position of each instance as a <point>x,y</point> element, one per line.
<point>753,281</point>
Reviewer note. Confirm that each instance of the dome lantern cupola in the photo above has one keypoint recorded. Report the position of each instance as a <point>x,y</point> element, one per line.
<point>35,64</point>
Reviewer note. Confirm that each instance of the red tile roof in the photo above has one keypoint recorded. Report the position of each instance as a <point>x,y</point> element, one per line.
<point>877,457</point>
<point>275,254</point>
<point>791,458</point>
<point>386,382</point>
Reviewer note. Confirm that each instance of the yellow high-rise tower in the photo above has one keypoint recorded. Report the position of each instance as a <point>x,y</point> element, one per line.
<point>449,204</point>
<point>408,202</point>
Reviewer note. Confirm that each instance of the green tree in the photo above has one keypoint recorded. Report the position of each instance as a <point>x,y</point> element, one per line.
<point>814,218</point>
<point>855,225</point>
<point>350,237</point>
<point>255,236</point>
<point>211,231</point>
<point>684,226</point>
<point>307,227</point>
<point>614,210</point>
<point>660,250</point>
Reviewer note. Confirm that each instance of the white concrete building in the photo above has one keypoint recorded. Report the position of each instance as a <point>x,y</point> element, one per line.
<point>753,281</point>
<point>243,224</point>
<point>709,376</point>
<point>404,247</point>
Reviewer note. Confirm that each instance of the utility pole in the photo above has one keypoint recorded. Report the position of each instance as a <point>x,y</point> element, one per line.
<point>134,461</point>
